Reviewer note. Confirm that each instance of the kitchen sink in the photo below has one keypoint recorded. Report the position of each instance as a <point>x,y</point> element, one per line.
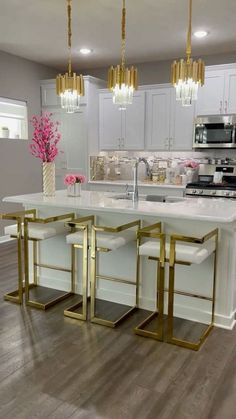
<point>151,198</point>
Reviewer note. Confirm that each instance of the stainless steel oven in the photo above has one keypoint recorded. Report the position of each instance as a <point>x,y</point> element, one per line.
<point>216,131</point>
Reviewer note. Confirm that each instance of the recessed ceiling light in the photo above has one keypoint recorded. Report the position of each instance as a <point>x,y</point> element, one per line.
<point>85,51</point>
<point>200,34</point>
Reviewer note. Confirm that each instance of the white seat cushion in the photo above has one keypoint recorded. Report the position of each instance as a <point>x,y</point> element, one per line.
<point>106,240</point>
<point>184,252</point>
<point>37,231</point>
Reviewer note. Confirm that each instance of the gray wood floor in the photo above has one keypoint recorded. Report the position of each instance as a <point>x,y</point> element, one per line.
<point>58,368</point>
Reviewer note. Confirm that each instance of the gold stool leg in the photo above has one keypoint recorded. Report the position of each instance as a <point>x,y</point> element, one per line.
<point>17,295</point>
<point>28,286</point>
<point>170,337</point>
<point>159,313</point>
<point>71,311</point>
<point>94,276</point>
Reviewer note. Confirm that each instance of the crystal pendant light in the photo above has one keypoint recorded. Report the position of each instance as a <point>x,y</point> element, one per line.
<point>123,81</point>
<point>186,74</point>
<point>70,86</point>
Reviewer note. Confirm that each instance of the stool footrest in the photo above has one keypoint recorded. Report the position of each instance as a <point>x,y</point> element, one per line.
<point>45,305</point>
<point>188,344</point>
<point>114,323</point>
<point>140,329</point>
<point>72,313</point>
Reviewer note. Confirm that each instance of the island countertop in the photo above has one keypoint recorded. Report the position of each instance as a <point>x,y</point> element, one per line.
<point>202,209</point>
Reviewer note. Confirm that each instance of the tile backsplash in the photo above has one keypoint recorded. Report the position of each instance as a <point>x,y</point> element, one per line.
<point>115,166</point>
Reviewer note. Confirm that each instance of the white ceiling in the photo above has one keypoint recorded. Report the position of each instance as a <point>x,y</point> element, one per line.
<point>156,29</point>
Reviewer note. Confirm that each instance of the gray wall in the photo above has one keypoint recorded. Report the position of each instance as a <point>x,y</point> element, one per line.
<point>159,71</point>
<point>19,172</point>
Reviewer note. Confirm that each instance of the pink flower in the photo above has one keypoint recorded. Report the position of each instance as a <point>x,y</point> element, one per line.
<point>191,163</point>
<point>45,137</point>
<point>71,179</point>
<point>80,178</point>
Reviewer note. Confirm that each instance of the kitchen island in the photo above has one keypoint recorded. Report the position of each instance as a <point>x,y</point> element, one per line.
<point>189,216</point>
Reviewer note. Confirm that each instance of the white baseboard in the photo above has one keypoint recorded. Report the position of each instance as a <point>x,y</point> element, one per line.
<point>5,239</point>
<point>181,311</point>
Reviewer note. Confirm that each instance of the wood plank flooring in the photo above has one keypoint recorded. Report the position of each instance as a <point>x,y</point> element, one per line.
<point>58,368</point>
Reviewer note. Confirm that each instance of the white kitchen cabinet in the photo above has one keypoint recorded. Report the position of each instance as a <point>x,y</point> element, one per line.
<point>217,96</point>
<point>158,118</point>
<point>80,136</point>
<point>73,144</point>
<point>122,130</point>
<point>230,89</point>
<point>110,123</point>
<point>169,124</point>
<point>48,94</point>
<point>182,123</point>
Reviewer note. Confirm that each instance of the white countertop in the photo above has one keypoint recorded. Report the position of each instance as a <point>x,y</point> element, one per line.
<point>202,209</point>
<point>141,184</point>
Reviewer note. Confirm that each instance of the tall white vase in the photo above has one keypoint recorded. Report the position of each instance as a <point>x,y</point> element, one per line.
<point>49,179</point>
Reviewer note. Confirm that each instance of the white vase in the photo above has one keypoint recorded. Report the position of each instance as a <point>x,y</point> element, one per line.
<point>74,190</point>
<point>49,179</point>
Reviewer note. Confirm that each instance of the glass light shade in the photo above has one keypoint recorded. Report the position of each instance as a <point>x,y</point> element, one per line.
<point>123,95</point>
<point>186,91</point>
<point>70,101</point>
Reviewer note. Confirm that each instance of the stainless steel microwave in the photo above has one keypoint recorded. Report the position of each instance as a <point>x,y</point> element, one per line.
<point>215,131</point>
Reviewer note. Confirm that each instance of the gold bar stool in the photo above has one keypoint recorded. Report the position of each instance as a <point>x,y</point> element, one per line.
<point>107,239</point>
<point>196,250</point>
<point>16,232</point>
<point>154,250</point>
<point>79,239</point>
<point>36,230</point>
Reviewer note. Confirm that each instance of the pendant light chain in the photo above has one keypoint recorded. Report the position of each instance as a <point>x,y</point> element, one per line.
<point>69,36</point>
<point>123,81</point>
<point>123,32</point>
<point>189,36</point>
<point>187,75</point>
<point>70,86</point>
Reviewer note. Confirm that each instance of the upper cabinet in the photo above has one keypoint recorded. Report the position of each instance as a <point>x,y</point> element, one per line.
<point>217,95</point>
<point>122,130</point>
<point>79,130</point>
<point>49,96</point>
<point>169,124</point>
<point>158,118</point>
<point>182,123</point>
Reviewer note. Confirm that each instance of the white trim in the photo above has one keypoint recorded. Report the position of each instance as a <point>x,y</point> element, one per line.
<point>184,312</point>
<point>5,239</point>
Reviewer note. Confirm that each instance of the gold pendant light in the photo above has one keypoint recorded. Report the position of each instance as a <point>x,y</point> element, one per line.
<point>122,81</point>
<point>70,86</point>
<point>186,74</point>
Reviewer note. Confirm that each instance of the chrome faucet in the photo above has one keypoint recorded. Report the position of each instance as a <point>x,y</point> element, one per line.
<point>148,173</point>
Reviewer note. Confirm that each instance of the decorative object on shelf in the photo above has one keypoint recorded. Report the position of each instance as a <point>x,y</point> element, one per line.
<point>122,81</point>
<point>73,183</point>
<point>5,132</point>
<point>70,86</point>
<point>44,145</point>
<point>186,74</point>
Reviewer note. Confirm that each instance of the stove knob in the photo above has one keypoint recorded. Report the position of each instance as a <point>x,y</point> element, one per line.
<point>226,193</point>
<point>213,192</point>
<point>200,192</point>
<point>194,191</point>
